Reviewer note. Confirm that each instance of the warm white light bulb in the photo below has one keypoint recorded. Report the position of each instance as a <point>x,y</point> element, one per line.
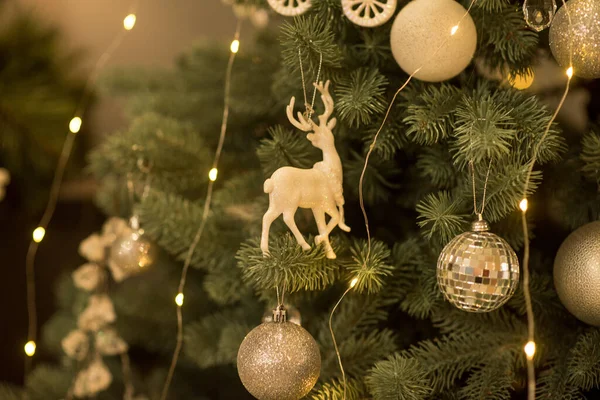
<point>129,22</point>
<point>570,72</point>
<point>454,29</point>
<point>75,125</point>
<point>235,46</point>
<point>30,348</point>
<point>38,234</point>
<point>179,299</point>
<point>353,282</point>
<point>212,174</point>
<point>529,349</point>
<point>523,205</point>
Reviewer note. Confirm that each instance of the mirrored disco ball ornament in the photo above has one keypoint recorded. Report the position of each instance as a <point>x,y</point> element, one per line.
<point>131,253</point>
<point>478,271</point>
<point>279,360</point>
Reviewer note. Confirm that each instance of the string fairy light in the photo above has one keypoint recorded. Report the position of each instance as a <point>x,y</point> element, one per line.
<point>354,281</point>
<point>530,347</point>
<point>39,233</point>
<point>179,299</point>
<point>205,212</point>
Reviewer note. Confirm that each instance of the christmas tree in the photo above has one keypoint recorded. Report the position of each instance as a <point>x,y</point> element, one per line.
<point>450,146</point>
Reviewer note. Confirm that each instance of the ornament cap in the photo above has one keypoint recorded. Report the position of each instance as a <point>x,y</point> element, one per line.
<point>280,314</point>
<point>481,225</point>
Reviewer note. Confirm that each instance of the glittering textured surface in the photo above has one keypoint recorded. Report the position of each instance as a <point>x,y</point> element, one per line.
<point>131,253</point>
<point>577,273</point>
<point>478,271</point>
<point>279,361</point>
<point>421,27</point>
<point>585,33</point>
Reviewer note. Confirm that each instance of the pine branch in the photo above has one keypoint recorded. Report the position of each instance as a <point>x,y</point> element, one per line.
<point>590,155</point>
<point>483,131</point>
<point>423,296</point>
<point>505,40</point>
<point>359,353</point>
<point>369,268</point>
<point>491,381</point>
<point>287,266</point>
<point>398,378</point>
<point>215,339</point>
<point>435,164</point>
<point>373,48</point>
<point>48,382</point>
<point>584,363</point>
<point>430,115</point>
<point>447,359</point>
<point>360,96</point>
<point>334,390</point>
<point>285,148</point>
<point>441,217</point>
<point>390,139</point>
<point>377,182</point>
<point>9,392</point>
<point>313,37</point>
<point>170,146</point>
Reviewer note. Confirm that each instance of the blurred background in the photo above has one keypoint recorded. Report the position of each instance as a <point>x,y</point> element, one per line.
<point>47,49</point>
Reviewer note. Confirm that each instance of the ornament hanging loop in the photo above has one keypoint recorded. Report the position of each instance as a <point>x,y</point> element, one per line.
<point>479,213</point>
<point>280,314</point>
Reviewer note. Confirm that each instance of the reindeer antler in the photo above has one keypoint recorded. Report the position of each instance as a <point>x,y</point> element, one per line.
<point>300,123</point>
<point>327,101</point>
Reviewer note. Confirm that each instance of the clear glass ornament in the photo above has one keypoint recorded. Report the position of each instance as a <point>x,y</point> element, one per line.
<point>131,253</point>
<point>539,13</point>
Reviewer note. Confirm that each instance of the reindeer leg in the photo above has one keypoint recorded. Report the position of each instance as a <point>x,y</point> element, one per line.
<point>324,235</point>
<point>342,223</point>
<point>288,218</point>
<point>270,216</point>
<point>321,225</point>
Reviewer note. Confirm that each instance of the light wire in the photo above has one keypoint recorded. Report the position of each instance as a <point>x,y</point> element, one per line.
<point>387,113</point>
<point>205,213</point>
<point>362,176</point>
<point>55,191</point>
<point>526,248</point>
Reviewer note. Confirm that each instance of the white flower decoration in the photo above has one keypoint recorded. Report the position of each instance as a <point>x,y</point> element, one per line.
<point>99,313</point>
<point>88,276</point>
<point>76,344</point>
<point>92,248</point>
<point>92,380</point>
<point>109,343</point>
<point>112,229</point>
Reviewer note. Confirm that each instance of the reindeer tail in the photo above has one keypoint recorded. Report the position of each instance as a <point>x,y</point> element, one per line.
<point>268,187</point>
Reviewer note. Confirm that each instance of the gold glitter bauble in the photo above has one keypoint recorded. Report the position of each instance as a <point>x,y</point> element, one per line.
<point>585,36</point>
<point>577,273</point>
<point>421,37</point>
<point>131,253</point>
<point>279,361</point>
<point>478,271</point>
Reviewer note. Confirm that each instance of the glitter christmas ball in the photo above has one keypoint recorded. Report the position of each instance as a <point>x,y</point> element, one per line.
<point>421,37</point>
<point>130,254</point>
<point>478,271</point>
<point>584,34</point>
<point>577,273</point>
<point>279,361</point>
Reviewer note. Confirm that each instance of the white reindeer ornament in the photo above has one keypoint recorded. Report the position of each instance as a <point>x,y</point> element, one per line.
<point>318,188</point>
